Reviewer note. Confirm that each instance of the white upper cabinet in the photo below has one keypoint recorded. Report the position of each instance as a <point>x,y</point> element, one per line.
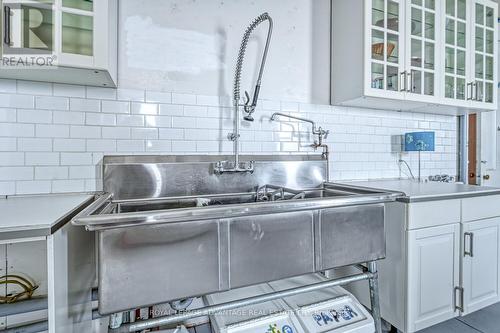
<point>424,55</point>
<point>78,37</point>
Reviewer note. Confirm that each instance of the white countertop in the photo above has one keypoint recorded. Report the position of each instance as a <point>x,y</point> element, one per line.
<point>415,191</point>
<point>38,215</point>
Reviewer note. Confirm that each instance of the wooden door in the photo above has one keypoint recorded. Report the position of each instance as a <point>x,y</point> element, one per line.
<point>472,150</point>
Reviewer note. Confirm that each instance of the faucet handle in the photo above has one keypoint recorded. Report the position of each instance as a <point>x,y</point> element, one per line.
<point>325,134</point>
<point>247,98</point>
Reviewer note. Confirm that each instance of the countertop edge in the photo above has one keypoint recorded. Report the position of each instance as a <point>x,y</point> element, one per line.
<point>450,196</point>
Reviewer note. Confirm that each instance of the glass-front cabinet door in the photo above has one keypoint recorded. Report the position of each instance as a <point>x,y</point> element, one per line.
<point>421,47</point>
<point>27,27</point>
<point>77,31</point>
<point>484,46</point>
<point>455,34</point>
<point>385,51</point>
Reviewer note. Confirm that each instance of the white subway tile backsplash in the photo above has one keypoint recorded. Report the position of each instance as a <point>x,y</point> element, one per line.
<point>101,93</point>
<point>52,131</point>
<point>34,88</point>
<point>69,90</point>
<point>116,132</point>
<point>130,120</point>
<point>183,98</point>
<point>34,144</point>
<point>76,158</point>
<point>130,146</point>
<point>51,173</point>
<point>100,119</point>
<point>34,116</point>
<point>144,108</point>
<point>11,159</point>
<point>86,105</point>
<point>69,145</point>
<point>144,133</point>
<point>52,103</point>
<point>16,130</point>
<point>69,118</point>
<point>130,95</point>
<point>158,97</point>
<point>8,115</point>
<point>36,186</point>
<point>8,144</point>
<point>86,132</point>
<point>115,107</point>
<point>56,146</point>
<point>17,101</point>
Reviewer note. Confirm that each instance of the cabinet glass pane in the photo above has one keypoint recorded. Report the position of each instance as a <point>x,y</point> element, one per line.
<point>450,31</point>
<point>377,76</point>
<point>392,15</point>
<point>416,22</point>
<point>416,82</point>
<point>460,88</point>
<point>392,78</point>
<point>490,19</point>
<point>488,68</point>
<point>417,2</point>
<point>489,41</point>
<point>416,52</point>
<point>449,87</point>
<point>460,62</point>
<point>479,39</point>
<point>479,66</point>
<point>461,9</point>
<point>37,28</point>
<point>461,34</point>
<point>430,4</point>
<point>429,84</point>
<point>450,60</point>
<point>392,48</point>
<point>77,34</point>
<point>450,7</point>
<point>479,90</point>
<point>78,4</point>
<point>377,45</point>
<point>479,14</point>
<point>378,13</point>
<point>488,92</point>
<point>429,25</point>
<point>429,55</point>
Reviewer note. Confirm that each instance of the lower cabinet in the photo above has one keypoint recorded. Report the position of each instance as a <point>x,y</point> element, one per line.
<point>433,273</point>
<point>480,264</point>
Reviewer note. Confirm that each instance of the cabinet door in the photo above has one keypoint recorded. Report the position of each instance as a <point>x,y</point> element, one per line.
<point>433,274</point>
<point>484,46</point>
<point>422,22</point>
<point>76,33</point>
<point>28,27</point>
<point>384,49</point>
<point>481,264</point>
<point>455,28</point>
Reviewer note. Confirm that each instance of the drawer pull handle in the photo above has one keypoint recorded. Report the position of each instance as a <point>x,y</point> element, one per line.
<point>470,236</point>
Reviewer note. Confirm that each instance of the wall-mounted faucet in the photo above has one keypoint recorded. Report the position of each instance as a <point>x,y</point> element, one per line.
<point>320,132</point>
<point>248,108</point>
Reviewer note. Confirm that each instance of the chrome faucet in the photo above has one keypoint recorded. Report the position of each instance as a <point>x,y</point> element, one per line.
<point>249,105</point>
<point>320,132</point>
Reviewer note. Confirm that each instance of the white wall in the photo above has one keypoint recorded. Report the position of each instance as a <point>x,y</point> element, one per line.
<point>52,136</point>
<point>191,47</point>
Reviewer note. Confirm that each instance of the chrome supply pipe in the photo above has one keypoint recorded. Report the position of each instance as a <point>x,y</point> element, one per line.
<point>214,309</point>
<point>248,106</point>
<point>320,132</point>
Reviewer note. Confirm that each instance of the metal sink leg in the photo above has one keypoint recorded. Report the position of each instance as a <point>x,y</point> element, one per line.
<point>374,296</point>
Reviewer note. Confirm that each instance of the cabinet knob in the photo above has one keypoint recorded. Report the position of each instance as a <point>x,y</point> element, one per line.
<point>486,177</point>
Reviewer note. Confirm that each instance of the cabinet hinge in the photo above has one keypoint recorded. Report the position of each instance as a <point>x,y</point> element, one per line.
<point>459,299</point>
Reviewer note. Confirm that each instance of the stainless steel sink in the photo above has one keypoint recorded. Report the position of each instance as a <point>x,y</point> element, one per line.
<point>192,232</point>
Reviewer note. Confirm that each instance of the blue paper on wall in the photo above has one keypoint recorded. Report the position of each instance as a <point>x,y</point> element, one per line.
<point>419,141</point>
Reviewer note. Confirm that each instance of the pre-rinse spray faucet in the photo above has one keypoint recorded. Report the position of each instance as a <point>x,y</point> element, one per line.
<point>250,104</point>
